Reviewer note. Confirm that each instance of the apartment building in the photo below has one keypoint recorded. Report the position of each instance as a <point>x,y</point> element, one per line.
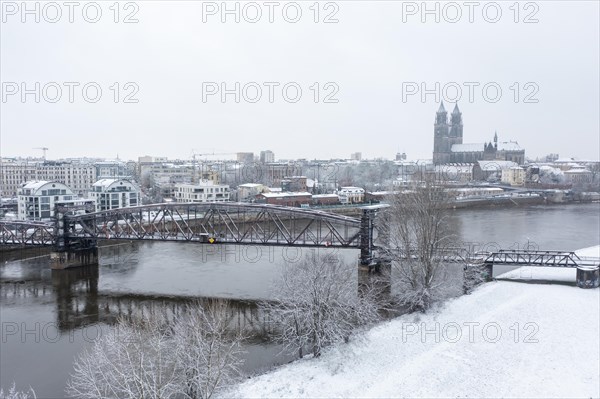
<point>79,176</point>
<point>36,199</point>
<point>115,193</point>
<point>203,191</point>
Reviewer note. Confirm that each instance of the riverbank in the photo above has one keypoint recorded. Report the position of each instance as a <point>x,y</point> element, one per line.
<point>507,339</point>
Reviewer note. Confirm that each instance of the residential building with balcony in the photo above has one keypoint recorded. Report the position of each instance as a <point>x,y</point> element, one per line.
<point>204,191</point>
<point>36,199</point>
<point>115,193</point>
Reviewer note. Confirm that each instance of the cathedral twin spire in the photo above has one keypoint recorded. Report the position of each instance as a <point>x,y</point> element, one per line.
<point>455,117</point>
<point>442,110</point>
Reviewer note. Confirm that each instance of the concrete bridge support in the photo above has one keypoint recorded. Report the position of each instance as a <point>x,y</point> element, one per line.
<point>489,271</point>
<point>588,277</point>
<point>74,257</point>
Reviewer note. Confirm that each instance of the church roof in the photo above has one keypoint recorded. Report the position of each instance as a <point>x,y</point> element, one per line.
<point>469,147</point>
<point>509,146</point>
<point>456,110</point>
<point>441,109</point>
<point>479,147</point>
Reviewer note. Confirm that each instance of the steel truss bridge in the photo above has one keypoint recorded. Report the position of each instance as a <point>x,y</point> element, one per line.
<point>214,223</point>
<point>79,227</point>
<point>541,258</point>
<point>504,257</point>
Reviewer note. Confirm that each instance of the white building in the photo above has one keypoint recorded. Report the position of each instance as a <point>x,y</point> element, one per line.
<point>14,173</point>
<point>515,176</point>
<point>267,156</point>
<point>111,169</point>
<point>249,191</point>
<point>351,195</point>
<point>36,199</point>
<point>115,193</point>
<point>204,191</point>
<point>579,175</point>
<point>356,156</point>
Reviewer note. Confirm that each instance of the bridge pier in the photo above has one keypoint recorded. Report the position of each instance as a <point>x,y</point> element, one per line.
<point>366,237</point>
<point>489,272</point>
<point>71,251</point>
<point>66,258</point>
<point>588,277</point>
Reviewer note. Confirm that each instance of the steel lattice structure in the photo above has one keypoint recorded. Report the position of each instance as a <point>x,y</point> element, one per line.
<point>26,233</point>
<point>539,258</point>
<point>235,223</point>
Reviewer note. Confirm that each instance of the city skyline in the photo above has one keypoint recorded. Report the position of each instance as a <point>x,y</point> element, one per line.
<point>377,62</point>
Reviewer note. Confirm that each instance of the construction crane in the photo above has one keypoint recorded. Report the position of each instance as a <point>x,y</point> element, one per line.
<point>43,149</point>
<point>194,162</point>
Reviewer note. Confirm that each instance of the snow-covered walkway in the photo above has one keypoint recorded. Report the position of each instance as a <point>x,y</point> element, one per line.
<point>507,339</point>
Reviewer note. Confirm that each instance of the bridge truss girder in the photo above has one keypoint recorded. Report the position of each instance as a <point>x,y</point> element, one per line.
<point>534,258</point>
<point>23,232</point>
<point>231,223</point>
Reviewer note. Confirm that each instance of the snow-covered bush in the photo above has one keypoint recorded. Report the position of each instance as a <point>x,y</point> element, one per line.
<point>190,357</point>
<point>317,303</point>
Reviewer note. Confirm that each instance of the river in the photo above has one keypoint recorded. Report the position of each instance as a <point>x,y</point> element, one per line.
<point>48,317</point>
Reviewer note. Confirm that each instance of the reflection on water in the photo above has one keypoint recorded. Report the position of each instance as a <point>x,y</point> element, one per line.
<point>49,316</point>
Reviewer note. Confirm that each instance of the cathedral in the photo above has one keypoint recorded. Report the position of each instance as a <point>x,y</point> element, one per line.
<point>448,144</point>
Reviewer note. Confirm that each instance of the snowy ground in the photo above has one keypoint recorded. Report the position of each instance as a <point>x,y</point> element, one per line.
<point>507,339</point>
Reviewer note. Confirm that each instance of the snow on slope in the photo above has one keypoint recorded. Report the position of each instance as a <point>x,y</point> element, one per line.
<point>553,351</point>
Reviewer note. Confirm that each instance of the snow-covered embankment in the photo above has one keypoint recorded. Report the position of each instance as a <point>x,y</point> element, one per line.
<point>507,339</point>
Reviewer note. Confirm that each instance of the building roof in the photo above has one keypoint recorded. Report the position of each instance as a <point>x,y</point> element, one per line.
<point>479,147</point>
<point>284,195</point>
<point>577,170</point>
<point>490,166</point>
<point>509,146</point>
<point>107,183</point>
<point>37,185</point>
<point>202,183</point>
<point>251,185</point>
<point>469,147</point>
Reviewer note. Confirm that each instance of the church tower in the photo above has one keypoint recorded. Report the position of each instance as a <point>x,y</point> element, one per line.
<point>441,149</point>
<point>456,124</point>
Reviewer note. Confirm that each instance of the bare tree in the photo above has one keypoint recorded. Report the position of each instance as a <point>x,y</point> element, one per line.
<point>135,361</point>
<point>190,357</point>
<point>208,352</point>
<point>12,393</point>
<point>419,242</point>
<point>317,303</point>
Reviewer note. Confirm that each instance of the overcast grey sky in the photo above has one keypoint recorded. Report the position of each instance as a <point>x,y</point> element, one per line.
<point>372,58</point>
